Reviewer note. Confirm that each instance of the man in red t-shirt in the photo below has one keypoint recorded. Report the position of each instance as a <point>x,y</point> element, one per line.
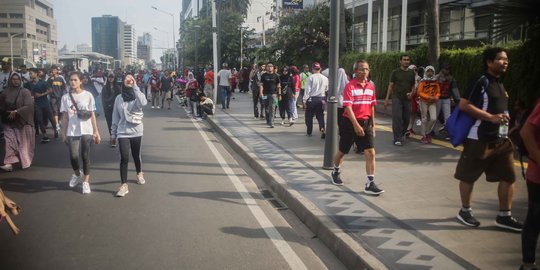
<point>359,101</point>
<point>530,134</point>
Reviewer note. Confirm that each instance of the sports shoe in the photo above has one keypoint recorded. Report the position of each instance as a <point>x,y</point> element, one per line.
<point>398,143</point>
<point>467,218</point>
<point>45,139</point>
<point>75,180</point>
<point>509,223</point>
<point>153,107</point>
<point>323,135</point>
<point>157,107</point>
<point>282,122</point>
<point>336,180</point>
<point>373,189</point>
<point>56,134</point>
<point>7,167</point>
<point>86,188</point>
<point>122,191</point>
<point>140,179</point>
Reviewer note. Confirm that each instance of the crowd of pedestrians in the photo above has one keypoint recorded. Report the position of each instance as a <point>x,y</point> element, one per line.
<point>71,108</point>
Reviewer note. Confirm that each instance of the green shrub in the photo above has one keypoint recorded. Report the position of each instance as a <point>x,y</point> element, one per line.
<point>521,81</point>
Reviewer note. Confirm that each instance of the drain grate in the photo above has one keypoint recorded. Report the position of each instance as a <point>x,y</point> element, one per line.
<point>275,202</point>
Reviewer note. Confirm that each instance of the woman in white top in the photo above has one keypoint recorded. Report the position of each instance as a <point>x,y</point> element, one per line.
<point>79,129</point>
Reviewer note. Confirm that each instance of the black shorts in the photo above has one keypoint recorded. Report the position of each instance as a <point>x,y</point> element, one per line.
<point>495,159</point>
<point>55,105</point>
<point>348,136</point>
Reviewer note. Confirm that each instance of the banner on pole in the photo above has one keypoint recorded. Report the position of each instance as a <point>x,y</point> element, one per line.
<point>293,4</point>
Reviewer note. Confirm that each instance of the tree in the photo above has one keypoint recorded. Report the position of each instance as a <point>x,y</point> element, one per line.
<point>432,7</point>
<point>517,14</point>
<point>301,38</point>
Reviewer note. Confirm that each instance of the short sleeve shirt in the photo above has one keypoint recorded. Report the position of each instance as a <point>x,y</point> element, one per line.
<point>85,101</point>
<point>58,86</point>
<point>38,88</point>
<point>269,83</point>
<point>533,169</point>
<point>494,101</point>
<point>224,76</point>
<point>404,81</point>
<point>209,77</point>
<point>166,83</point>
<point>360,98</point>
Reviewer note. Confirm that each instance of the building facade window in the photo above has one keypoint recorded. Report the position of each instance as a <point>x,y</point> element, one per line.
<point>3,15</point>
<point>16,16</point>
<point>3,25</point>
<point>16,25</point>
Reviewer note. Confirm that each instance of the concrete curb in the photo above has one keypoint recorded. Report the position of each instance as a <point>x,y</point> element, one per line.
<point>346,249</point>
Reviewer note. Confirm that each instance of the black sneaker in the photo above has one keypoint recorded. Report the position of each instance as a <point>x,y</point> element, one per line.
<point>509,223</point>
<point>372,189</point>
<point>56,134</point>
<point>467,218</point>
<point>323,135</point>
<point>45,140</point>
<point>336,180</point>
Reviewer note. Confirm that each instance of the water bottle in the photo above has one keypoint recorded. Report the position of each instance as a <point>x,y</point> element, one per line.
<point>503,128</point>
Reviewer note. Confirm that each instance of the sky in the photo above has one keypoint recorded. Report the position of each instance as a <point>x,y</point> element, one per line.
<point>74,19</point>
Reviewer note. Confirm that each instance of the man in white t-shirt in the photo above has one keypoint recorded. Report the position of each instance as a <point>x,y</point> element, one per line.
<point>224,83</point>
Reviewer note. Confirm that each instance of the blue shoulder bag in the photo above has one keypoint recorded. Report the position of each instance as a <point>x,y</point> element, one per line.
<point>459,123</point>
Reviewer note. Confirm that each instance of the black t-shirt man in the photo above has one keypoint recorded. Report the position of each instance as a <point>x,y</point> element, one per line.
<point>495,98</point>
<point>270,81</point>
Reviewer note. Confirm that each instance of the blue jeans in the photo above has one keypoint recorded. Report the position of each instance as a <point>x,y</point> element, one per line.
<point>225,96</point>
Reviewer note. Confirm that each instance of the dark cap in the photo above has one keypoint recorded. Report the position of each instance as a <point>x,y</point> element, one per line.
<point>316,66</point>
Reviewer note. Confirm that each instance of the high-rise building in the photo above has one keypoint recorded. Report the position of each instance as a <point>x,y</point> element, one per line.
<point>32,26</point>
<point>107,36</point>
<point>129,45</point>
<point>144,47</point>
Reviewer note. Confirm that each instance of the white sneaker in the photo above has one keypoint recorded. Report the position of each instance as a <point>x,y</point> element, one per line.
<point>86,188</point>
<point>158,107</point>
<point>152,107</point>
<point>282,122</point>
<point>75,180</point>
<point>7,167</point>
<point>122,191</point>
<point>140,179</point>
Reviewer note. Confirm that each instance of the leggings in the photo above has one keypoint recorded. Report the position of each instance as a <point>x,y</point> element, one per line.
<point>80,145</point>
<point>125,144</point>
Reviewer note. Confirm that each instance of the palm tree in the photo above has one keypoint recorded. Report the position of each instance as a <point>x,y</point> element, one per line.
<point>515,14</point>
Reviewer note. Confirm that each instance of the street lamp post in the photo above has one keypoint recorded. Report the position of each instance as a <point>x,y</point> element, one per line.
<point>11,46</point>
<point>174,36</point>
<point>197,29</point>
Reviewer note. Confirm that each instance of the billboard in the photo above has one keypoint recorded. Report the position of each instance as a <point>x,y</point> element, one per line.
<point>293,4</point>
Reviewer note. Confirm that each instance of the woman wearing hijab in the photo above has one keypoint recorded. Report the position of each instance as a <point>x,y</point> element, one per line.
<point>127,127</point>
<point>108,96</point>
<point>192,87</point>
<point>17,108</point>
<point>429,92</point>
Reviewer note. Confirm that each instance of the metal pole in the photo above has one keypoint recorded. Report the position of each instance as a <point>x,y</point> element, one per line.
<point>330,144</point>
<point>11,49</point>
<point>264,34</point>
<point>353,28</point>
<point>214,43</point>
<point>241,47</point>
<point>174,43</point>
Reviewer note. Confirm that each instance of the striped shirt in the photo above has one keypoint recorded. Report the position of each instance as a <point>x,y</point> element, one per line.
<point>360,98</point>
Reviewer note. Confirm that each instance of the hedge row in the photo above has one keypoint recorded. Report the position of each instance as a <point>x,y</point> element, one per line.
<point>522,80</point>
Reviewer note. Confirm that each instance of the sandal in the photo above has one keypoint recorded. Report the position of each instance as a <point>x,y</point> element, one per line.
<point>14,208</point>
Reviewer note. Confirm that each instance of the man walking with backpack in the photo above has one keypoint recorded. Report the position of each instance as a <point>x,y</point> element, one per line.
<point>487,148</point>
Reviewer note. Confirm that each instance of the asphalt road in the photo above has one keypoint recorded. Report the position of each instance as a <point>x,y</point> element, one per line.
<point>201,208</point>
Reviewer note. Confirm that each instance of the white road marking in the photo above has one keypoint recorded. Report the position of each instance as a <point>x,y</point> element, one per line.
<point>281,245</point>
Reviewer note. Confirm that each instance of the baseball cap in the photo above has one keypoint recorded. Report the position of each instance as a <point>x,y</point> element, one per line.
<point>316,66</point>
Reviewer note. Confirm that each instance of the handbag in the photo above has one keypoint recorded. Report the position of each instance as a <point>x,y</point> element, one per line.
<point>5,115</point>
<point>459,123</point>
<point>133,117</point>
<point>81,114</point>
